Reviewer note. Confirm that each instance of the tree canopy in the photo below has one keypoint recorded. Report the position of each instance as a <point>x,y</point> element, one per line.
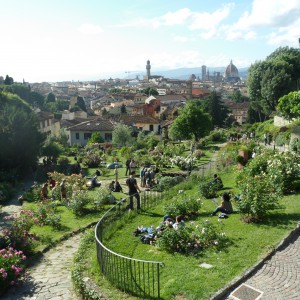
<point>150,91</point>
<point>289,106</point>
<point>216,109</point>
<point>273,78</point>
<point>20,139</point>
<point>122,135</point>
<point>192,122</point>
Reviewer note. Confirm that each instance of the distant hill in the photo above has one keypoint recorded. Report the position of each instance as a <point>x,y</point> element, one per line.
<point>182,73</point>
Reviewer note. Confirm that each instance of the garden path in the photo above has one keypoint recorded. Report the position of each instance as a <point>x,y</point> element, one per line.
<point>277,278</point>
<point>50,276</point>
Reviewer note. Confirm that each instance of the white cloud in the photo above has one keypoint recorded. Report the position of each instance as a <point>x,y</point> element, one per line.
<point>181,39</point>
<point>284,35</point>
<point>210,20</point>
<point>90,29</point>
<point>176,18</point>
<point>275,13</point>
<point>281,16</point>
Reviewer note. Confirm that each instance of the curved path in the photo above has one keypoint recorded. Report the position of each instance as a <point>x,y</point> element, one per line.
<point>278,278</point>
<point>50,277</point>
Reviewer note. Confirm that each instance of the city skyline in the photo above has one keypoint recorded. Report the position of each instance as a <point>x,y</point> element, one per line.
<point>65,40</point>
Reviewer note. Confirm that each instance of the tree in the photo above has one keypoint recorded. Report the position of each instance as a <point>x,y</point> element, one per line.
<point>216,109</point>
<point>192,122</point>
<point>20,139</point>
<point>122,135</point>
<point>52,149</point>
<point>8,80</point>
<point>289,106</point>
<point>238,97</point>
<point>50,98</point>
<point>273,78</point>
<point>95,138</point>
<point>150,91</point>
<point>123,109</point>
<point>81,103</point>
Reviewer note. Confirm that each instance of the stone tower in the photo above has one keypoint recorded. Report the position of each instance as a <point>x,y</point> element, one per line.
<point>148,67</point>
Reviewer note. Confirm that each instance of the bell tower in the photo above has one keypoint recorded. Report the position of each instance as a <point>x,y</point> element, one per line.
<point>148,67</point>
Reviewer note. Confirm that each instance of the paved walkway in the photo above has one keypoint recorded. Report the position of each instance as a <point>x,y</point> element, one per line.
<point>50,277</point>
<point>279,277</point>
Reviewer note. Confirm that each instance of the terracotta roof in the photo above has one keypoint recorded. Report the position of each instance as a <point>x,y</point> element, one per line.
<point>130,120</point>
<point>98,124</point>
<point>44,115</point>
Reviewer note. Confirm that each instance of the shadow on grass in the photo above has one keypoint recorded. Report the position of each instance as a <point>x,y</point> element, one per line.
<point>280,219</point>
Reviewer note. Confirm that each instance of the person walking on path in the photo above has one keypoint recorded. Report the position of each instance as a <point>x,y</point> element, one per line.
<point>134,191</point>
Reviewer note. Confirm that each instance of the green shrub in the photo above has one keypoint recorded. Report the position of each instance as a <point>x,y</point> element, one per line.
<point>192,238</point>
<point>80,199</point>
<point>6,192</point>
<point>282,168</point>
<point>166,182</point>
<point>63,162</point>
<point>258,196</point>
<point>92,160</point>
<point>182,206</point>
<point>208,189</point>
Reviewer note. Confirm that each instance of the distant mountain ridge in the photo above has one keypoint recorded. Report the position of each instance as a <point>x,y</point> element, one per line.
<point>183,73</point>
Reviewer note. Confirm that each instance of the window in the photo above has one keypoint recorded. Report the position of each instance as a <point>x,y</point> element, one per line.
<point>87,135</point>
<point>151,127</point>
<point>108,137</point>
<point>77,135</point>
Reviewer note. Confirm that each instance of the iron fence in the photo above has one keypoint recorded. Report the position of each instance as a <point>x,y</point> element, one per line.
<point>138,277</point>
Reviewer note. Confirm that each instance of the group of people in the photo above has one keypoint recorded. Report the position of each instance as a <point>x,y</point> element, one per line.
<point>51,185</point>
<point>147,176</point>
<point>130,166</point>
<point>148,235</point>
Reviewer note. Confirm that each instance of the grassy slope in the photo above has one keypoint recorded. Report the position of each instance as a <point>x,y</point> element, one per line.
<point>249,243</point>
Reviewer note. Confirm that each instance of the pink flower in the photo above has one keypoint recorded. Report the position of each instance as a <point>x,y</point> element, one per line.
<point>23,257</point>
<point>12,282</point>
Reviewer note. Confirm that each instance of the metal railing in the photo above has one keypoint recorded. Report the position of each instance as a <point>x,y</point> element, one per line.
<point>136,276</point>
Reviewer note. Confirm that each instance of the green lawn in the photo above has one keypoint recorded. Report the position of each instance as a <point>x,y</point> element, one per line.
<point>182,275</point>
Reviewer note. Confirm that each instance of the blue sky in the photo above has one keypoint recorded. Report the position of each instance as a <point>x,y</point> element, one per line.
<point>43,40</point>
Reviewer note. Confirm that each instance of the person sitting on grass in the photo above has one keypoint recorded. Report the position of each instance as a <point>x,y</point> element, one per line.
<point>95,182</point>
<point>117,187</point>
<point>112,186</point>
<point>225,206</point>
<point>218,181</point>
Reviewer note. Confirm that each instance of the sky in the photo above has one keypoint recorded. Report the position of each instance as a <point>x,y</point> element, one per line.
<point>64,40</point>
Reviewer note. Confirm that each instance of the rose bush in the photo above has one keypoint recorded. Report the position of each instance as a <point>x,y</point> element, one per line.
<point>11,267</point>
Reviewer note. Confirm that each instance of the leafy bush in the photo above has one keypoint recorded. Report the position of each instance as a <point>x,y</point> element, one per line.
<point>63,162</point>
<point>184,163</point>
<point>6,191</point>
<point>12,264</point>
<point>92,160</point>
<point>166,182</point>
<point>192,238</point>
<point>208,189</point>
<point>183,206</point>
<point>18,236</point>
<point>80,199</point>
<point>103,196</point>
<point>47,214</point>
<point>295,145</point>
<point>258,196</point>
<point>282,168</point>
